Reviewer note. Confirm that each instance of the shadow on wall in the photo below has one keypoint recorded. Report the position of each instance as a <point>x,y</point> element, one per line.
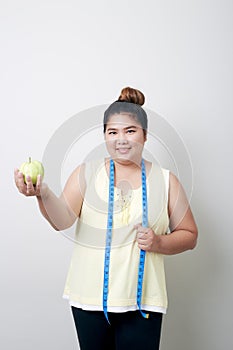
<point>196,283</point>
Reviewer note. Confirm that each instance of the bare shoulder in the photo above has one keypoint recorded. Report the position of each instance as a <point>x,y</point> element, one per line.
<point>176,189</point>
<point>174,183</point>
<point>180,213</point>
<point>80,169</point>
<point>74,190</point>
<point>148,166</point>
<point>77,178</point>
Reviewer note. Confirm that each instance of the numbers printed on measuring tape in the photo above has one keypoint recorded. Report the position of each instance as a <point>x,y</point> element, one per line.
<point>142,252</point>
<point>109,239</point>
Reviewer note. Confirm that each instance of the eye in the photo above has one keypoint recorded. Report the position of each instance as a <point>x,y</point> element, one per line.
<point>112,133</point>
<point>131,131</point>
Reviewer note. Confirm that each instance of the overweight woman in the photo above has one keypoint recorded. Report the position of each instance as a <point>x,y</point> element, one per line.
<point>130,212</point>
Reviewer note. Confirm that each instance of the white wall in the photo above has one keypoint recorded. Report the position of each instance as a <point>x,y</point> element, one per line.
<point>61,57</point>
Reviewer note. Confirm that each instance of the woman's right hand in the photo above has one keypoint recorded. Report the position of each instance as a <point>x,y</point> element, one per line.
<point>29,189</point>
<point>61,212</point>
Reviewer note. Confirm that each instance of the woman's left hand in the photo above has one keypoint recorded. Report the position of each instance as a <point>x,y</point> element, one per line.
<point>146,238</point>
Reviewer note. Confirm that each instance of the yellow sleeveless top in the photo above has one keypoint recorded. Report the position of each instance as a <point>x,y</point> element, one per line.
<point>84,283</point>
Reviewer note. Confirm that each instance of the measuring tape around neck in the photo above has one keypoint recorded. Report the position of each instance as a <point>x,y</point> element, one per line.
<point>109,239</point>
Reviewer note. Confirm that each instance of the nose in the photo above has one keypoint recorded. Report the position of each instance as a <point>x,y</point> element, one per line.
<point>121,140</point>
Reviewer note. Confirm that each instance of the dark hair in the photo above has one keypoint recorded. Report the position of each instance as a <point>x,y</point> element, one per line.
<point>129,102</point>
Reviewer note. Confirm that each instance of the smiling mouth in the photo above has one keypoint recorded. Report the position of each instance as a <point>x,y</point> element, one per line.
<point>123,150</point>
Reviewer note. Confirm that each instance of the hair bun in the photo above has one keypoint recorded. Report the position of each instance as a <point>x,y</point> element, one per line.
<point>129,94</point>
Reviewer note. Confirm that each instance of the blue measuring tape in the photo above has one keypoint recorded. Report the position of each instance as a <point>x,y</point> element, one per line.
<point>109,239</point>
<point>142,252</point>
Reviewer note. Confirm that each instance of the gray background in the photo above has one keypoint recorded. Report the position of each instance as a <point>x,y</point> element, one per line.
<point>62,57</point>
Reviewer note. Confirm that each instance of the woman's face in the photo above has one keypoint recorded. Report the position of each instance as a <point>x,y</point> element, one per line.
<point>124,138</point>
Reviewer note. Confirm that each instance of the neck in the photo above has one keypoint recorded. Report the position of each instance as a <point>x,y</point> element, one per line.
<point>127,164</point>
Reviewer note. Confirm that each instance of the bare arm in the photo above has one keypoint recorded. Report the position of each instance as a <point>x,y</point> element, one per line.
<point>61,212</point>
<point>184,231</point>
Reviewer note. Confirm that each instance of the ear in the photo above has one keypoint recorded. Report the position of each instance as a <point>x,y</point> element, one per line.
<point>145,135</point>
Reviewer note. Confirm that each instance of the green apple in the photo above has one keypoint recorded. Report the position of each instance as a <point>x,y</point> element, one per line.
<point>32,168</point>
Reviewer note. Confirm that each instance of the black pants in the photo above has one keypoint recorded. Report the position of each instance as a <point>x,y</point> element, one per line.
<point>128,330</point>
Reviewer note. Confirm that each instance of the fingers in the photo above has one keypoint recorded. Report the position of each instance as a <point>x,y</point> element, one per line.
<point>145,236</point>
<point>38,184</point>
<point>19,181</point>
<point>143,232</point>
<point>28,189</point>
<point>29,185</point>
<point>141,229</point>
<point>144,244</point>
<point>18,176</point>
<point>40,188</point>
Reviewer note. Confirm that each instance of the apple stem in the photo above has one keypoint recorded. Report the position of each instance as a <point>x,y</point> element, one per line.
<point>30,159</point>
